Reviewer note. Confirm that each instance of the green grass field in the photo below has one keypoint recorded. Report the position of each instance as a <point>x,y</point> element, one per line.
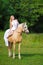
<point>31,51</point>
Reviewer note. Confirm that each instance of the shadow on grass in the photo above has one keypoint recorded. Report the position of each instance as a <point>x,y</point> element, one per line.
<point>30,55</point>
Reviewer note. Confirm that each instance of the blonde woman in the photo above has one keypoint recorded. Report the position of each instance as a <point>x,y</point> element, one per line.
<point>13,24</point>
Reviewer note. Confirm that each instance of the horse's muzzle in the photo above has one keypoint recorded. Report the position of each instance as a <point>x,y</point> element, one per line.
<point>27,31</point>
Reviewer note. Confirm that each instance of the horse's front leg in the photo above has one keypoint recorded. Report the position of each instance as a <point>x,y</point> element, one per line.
<point>19,56</point>
<point>13,50</point>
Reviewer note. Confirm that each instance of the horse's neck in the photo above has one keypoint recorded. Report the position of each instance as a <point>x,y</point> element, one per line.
<point>19,30</point>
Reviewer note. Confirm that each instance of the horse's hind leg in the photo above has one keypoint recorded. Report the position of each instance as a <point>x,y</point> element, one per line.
<point>9,49</point>
<point>13,50</point>
<point>19,56</point>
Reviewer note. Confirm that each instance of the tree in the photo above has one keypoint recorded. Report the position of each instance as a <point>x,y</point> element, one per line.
<point>24,10</point>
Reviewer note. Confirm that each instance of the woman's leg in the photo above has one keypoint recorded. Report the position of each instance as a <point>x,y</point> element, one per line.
<point>10,33</point>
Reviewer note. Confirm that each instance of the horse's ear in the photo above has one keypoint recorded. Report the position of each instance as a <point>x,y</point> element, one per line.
<point>25,23</point>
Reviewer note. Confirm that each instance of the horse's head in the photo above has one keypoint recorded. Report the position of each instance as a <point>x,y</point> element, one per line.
<point>25,28</point>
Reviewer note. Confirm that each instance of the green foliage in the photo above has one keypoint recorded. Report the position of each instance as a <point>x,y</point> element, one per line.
<point>24,10</point>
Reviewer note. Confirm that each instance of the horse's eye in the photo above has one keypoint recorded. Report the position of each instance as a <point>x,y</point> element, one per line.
<point>25,27</point>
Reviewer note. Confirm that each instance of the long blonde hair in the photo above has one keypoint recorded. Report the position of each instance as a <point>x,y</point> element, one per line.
<point>11,19</point>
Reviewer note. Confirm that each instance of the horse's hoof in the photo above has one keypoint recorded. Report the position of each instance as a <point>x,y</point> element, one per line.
<point>10,55</point>
<point>19,57</point>
<point>13,57</point>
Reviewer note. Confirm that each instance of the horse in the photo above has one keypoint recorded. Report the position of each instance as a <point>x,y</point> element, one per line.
<point>16,37</point>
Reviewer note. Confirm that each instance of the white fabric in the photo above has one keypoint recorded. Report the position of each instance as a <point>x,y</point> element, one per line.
<point>14,24</point>
<point>5,37</point>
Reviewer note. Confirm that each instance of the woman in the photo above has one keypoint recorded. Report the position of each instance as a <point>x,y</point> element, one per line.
<point>13,26</point>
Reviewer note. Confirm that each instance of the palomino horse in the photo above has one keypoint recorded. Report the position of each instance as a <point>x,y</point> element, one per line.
<point>16,37</point>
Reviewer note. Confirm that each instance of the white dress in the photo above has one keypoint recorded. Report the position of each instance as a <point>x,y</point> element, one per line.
<point>14,24</point>
<point>6,34</point>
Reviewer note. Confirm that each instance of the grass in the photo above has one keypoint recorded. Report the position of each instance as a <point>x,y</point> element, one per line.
<point>31,51</point>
